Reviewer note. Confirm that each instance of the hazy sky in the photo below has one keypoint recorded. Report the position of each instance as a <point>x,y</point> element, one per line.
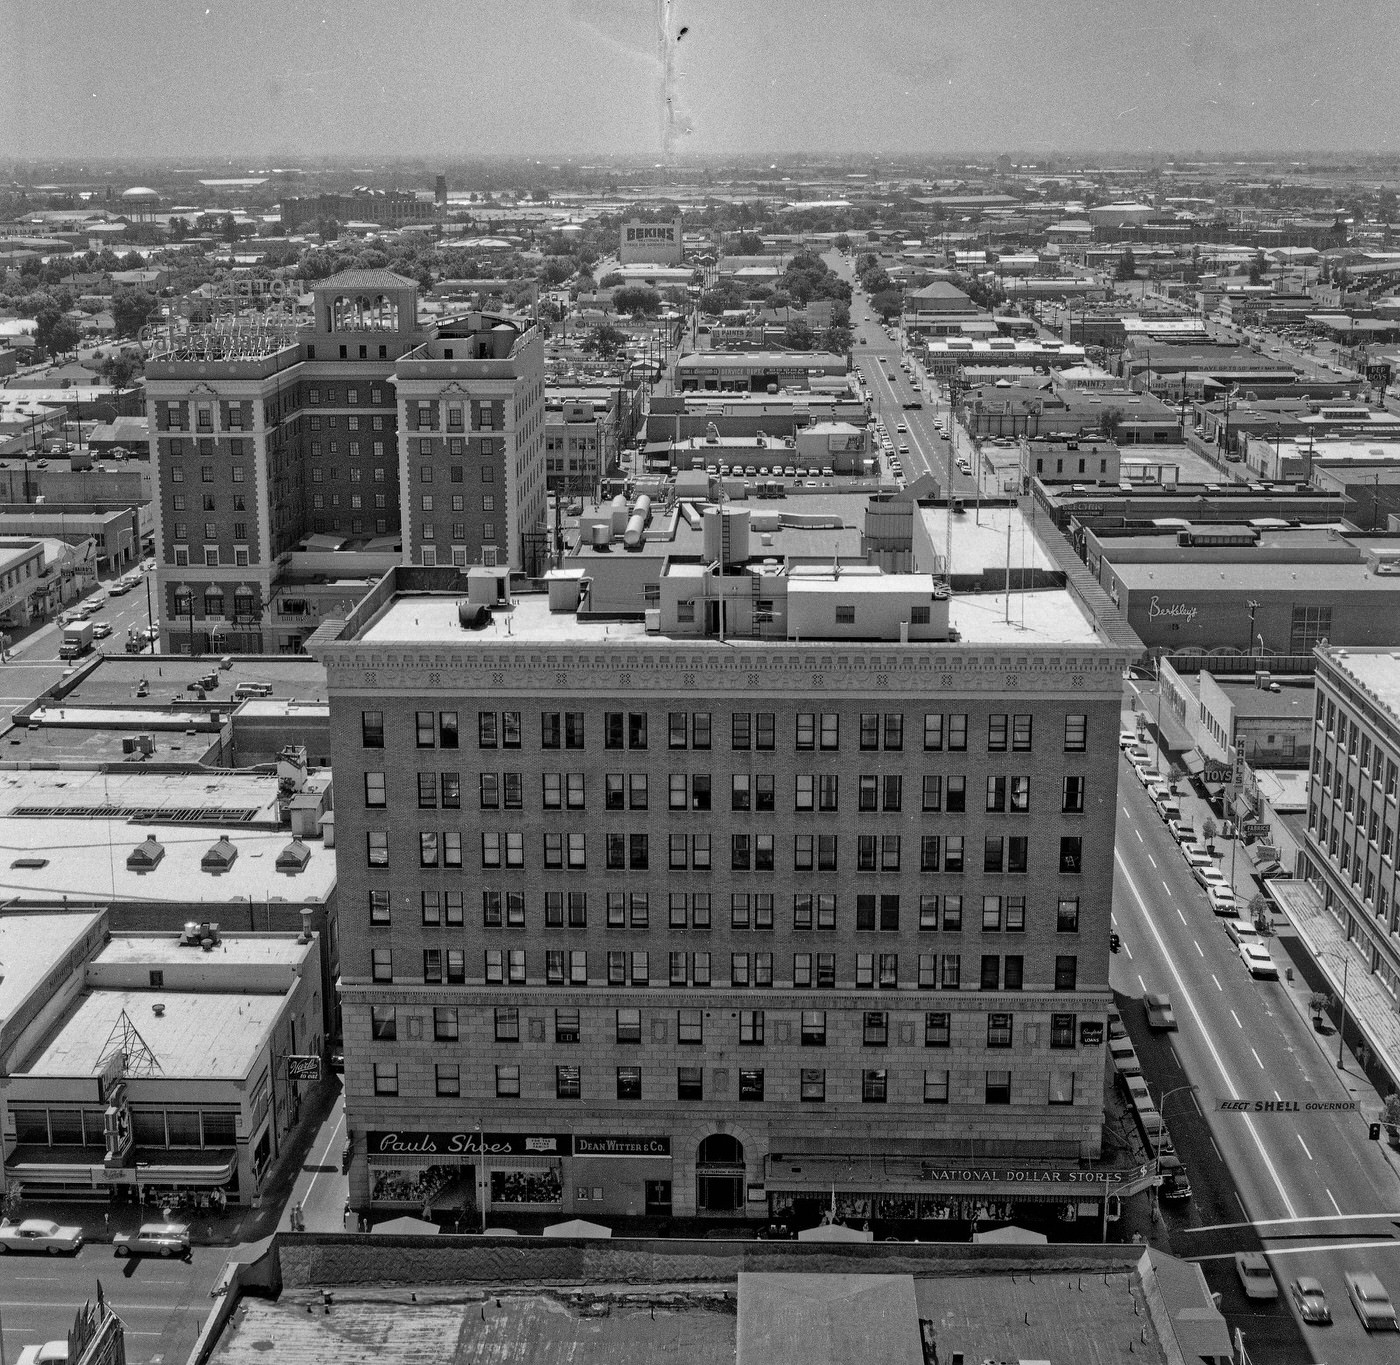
<point>279,80</point>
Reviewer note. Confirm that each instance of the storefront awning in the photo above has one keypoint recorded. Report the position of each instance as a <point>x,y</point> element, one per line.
<point>1195,764</point>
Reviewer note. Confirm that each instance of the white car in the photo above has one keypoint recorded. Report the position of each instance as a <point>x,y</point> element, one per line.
<point>1182,831</point>
<point>1241,931</point>
<point>1207,877</point>
<point>1196,856</point>
<point>1256,957</point>
<point>1127,739</point>
<point>38,1234</point>
<point>1222,901</point>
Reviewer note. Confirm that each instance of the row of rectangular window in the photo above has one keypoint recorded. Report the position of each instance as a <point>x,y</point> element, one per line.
<point>875,1027</point>
<point>747,792</point>
<point>694,730</point>
<point>747,910</point>
<point>1008,854</point>
<point>690,1027</point>
<point>507,966</point>
<point>690,1084</point>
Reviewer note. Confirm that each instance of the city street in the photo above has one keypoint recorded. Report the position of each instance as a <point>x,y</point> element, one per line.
<point>879,357</point>
<point>1307,1188</point>
<point>162,1303</point>
<point>32,664</point>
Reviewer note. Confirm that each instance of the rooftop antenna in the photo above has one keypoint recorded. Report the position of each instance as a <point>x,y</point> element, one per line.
<point>126,1040</point>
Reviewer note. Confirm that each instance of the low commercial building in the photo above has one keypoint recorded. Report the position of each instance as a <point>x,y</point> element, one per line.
<point>1039,407</point>
<point>757,371</point>
<point>945,356</point>
<point>1268,716</point>
<point>1069,459</point>
<point>165,1067</point>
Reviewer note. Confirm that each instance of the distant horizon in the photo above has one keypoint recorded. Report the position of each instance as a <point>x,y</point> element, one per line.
<point>693,81</point>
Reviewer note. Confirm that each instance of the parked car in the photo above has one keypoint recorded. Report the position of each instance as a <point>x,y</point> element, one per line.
<point>1136,1088</point>
<point>39,1234</point>
<point>1309,1299</point>
<point>1135,750</point>
<point>1222,901</point>
<point>101,630</point>
<point>1174,1184</point>
<point>1372,1303</point>
<point>1125,1059</point>
<point>1158,1007</point>
<point>1206,877</point>
<point>1256,957</point>
<point>1182,831</point>
<point>1196,856</point>
<point>45,1353</point>
<point>1258,1280</point>
<point>154,1239</point>
<point>1241,931</point>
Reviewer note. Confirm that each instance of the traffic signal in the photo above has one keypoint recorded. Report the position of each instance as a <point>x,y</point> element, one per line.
<point>1375,1133</point>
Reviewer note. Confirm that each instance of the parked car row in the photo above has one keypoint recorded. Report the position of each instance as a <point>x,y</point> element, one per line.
<point>40,1235</point>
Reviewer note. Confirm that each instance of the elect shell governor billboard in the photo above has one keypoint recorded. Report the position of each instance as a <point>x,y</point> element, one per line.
<point>650,243</point>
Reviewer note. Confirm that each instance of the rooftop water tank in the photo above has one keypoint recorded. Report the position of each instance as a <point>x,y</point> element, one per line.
<point>618,509</point>
<point>636,526</point>
<point>727,536</point>
<point>602,536</point>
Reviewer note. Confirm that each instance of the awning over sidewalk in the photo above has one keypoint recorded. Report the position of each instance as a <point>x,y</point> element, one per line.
<point>1194,763</point>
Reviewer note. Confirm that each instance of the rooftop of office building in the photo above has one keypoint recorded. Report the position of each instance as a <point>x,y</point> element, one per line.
<point>727,581</point>
<point>1375,672</point>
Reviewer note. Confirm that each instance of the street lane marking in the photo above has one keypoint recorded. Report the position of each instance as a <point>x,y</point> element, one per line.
<point>1240,1202</point>
<point>1152,860</point>
<point>1277,1096</point>
<point>1138,832</point>
<point>1198,947</point>
<point>1166,888</point>
<point>1297,1251</point>
<point>1182,918</point>
<point>1216,979</point>
<point>1186,995</point>
<point>1303,1145</point>
<point>329,1143</point>
<point>1236,1018</point>
<point>1141,982</point>
<point>1337,1217</point>
<point>1129,952</point>
<point>1329,1194</point>
<point>1257,1059</point>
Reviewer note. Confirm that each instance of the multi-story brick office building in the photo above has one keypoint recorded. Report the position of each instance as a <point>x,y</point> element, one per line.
<point>796,891</point>
<point>1354,822</point>
<point>267,431</point>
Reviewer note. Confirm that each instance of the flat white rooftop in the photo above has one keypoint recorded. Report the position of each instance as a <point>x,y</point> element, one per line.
<point>30,947</point>
<point>198,1035</point>
<point>979,539</point>
<point>232,950</point>
<point>85,860</point>
<point>76,789</point>
<point>1376,671</point>
<point>1050,617</point>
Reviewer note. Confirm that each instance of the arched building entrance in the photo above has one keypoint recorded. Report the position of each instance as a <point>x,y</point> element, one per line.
<point>719,1174</point>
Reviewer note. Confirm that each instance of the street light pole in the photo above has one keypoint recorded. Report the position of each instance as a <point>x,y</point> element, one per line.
<point>1342,1029</point>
